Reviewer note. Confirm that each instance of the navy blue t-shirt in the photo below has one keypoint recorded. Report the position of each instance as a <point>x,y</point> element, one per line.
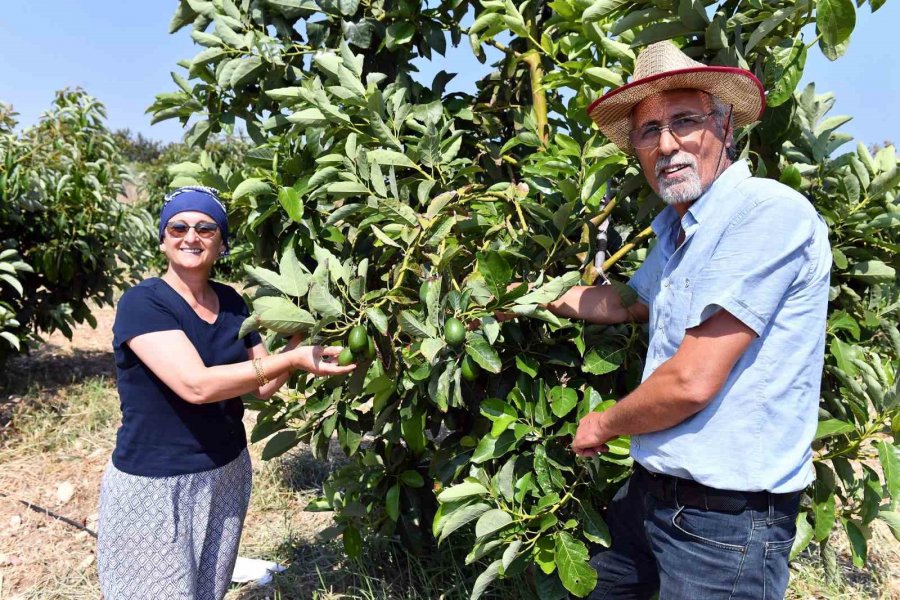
<point>161,434</point>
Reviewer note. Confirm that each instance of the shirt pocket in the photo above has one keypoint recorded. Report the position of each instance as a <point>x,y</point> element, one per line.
<point>676,296</point>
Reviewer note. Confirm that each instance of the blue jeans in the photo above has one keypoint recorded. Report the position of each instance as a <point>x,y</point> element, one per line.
<point>688,553</point>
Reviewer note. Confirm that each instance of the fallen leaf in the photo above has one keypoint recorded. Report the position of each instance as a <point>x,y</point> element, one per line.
<point>64,492</point>
<point>88,561</point>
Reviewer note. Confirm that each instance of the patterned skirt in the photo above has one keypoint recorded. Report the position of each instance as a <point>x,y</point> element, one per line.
<point>171,537</point>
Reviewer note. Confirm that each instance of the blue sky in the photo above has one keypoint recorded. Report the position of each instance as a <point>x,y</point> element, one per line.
<point>121,53</point>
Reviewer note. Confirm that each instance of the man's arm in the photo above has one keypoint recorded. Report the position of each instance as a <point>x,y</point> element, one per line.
<point>598,304</point>
<point>679,388</point>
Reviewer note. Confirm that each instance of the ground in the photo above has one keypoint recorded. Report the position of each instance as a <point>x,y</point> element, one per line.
<point>58,417</point>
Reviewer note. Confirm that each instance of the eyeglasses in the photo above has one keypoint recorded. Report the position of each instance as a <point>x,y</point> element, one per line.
<point>179,229</point>
<point>682,127</point>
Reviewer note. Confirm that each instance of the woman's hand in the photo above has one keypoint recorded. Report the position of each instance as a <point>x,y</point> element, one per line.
<point>320,360</point>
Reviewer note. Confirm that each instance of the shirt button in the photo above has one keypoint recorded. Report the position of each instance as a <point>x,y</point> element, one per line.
<point>659,325</point>
<point>687,282</point>
<point>665,283</point>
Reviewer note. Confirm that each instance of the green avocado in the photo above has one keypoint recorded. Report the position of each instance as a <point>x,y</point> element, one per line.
<point>345,357</point>
<point>358,340</point>
<point>454,331</point>
<point>470,369</point>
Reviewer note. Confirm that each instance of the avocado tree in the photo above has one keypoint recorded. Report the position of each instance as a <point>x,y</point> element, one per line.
<point>65,241</point>
<point>397,218</point>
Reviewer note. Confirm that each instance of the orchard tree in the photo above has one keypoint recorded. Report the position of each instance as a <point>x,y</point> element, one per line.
<point>66,242</point>
<point>392,216</point>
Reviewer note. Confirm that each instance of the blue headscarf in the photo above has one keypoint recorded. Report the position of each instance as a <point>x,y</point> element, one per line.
<point>195,198</point>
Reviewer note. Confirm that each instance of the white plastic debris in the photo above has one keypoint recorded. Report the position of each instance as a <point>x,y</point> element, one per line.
<point>255,570</point>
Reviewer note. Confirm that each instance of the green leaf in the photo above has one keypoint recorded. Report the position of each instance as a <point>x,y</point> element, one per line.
<point>399,34</point>
<point>771,23</point>
<point>603,77</point>
<point>491,522</point>
<point>206,39</point>
<point>347,188</point>
<point>595,528</point>
<point>889,456</point>
<point>501,414</point>
<point>184,15</point>
<point>805,533</point>
<point>377,317</point>
<point>506,479</point>
<point>832,427</point>
<point>835,20</point>
<point>431,347</point>
<point>551,290</point>
<point>460,517</point>
<point>496,271</point>
<point>892,518</point>
<point>412,325</point>
<point>280,443</point>
<point>575,572</point>
<point>873,271</point>
<point>322,302</point>
<point>289,198</point>
<point>783,71</point>
<point>483,353</point>
<point>281,315</point>
<point>542,469</point>
<point>352,541</point>
<point>285,94</point>
<point>604,359</point>
<point>493,447</point>
<point>412,479</point>
<point>824,511</point>
<point>392,503</point>
<point>527,365</point>
<point>390,158</point>
<point>562,400</point>
<point>246,71</point>
<point>398,212</point>
<point>459,491</point>
<point>485,579</point>
<point>251,187</point>
<point>308,117</point>
<point>858,544</point>
<point>599,9</point>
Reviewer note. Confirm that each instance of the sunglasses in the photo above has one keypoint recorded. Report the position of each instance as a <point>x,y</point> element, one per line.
<point>204,229</point>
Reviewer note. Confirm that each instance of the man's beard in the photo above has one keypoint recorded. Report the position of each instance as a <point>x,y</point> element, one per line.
<point>687,187</point>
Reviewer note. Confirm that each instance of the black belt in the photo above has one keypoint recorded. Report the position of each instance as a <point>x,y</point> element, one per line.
<point>686,492</point>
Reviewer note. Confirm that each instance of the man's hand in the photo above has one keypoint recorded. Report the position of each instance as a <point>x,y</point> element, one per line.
<point>320,360</point>
<point>591,436</point>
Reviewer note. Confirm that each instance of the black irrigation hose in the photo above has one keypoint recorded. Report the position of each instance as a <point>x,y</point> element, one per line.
<point>49,513</point>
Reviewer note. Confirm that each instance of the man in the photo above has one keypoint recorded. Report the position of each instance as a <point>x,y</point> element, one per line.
<point>736,291</point>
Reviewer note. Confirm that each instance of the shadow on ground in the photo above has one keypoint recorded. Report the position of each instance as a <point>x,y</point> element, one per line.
<point>27,380</point>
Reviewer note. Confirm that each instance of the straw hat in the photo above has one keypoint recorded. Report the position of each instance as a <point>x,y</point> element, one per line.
<point>662,66</point>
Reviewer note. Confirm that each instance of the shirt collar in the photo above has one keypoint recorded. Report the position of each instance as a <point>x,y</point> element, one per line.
<point>724,183</point>
<point>729,179</point>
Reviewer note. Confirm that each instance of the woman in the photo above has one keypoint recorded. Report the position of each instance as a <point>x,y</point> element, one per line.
<point>173,498</point>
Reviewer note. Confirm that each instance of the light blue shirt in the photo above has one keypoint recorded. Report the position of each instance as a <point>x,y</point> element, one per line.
<point>759,250</point>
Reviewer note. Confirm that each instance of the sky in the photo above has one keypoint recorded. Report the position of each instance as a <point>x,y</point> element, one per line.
<point>121,52</point>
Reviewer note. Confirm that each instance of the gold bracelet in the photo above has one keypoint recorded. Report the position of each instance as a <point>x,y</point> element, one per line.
<point>261,378</point>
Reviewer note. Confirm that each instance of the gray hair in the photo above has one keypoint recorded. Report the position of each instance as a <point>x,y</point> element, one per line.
<point>721,111</point>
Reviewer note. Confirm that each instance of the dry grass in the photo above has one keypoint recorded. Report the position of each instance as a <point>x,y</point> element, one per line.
<point>59,416</point>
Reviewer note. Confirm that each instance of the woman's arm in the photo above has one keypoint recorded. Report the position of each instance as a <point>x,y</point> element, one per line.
<point>259,351</point>
<point>172,357</point>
